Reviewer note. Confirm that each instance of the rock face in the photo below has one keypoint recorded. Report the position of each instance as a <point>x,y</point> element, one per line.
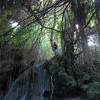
<point>11,65</point>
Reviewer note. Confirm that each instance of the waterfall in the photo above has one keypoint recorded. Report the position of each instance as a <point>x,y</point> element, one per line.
<point>41,78</point>
<point>20,87</point>
<point>41,81</point>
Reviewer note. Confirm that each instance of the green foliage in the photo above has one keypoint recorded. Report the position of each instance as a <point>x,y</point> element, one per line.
<point>46,47</point>
<point>94,91</point>
<point>4,20</point>
<point>33,35</point>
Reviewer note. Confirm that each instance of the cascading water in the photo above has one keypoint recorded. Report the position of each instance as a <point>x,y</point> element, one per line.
<point>19,89</point>
<point>41,81</point>
<point>41,78</point>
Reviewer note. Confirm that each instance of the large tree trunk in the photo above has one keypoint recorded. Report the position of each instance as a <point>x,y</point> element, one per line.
<point>79,15</point>
<point>97,8</point>
<point>67,45</point>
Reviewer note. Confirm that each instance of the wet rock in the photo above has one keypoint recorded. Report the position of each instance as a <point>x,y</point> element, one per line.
<point>46,93</point>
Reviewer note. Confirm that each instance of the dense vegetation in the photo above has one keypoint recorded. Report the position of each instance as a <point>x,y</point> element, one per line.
<point>29,27</point>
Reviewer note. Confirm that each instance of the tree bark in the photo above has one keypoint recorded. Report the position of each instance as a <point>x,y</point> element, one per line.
<point>67,45</point>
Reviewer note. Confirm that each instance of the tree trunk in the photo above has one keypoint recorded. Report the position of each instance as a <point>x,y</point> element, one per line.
<point>67,45</point>
<point>79,15</point>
